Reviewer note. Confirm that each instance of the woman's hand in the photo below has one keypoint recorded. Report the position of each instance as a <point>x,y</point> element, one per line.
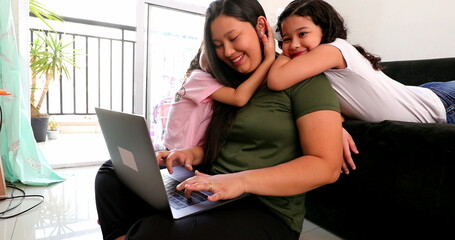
<point>223,186</point>
<point>348,146</point>
<point>187,157</point>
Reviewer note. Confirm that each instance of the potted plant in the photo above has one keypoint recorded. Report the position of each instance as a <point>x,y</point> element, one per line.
<point>52,131</point>
<point>50,57</point>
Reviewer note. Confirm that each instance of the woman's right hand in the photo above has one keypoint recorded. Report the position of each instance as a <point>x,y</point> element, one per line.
<point>187,157</point>
<point>223,186</point>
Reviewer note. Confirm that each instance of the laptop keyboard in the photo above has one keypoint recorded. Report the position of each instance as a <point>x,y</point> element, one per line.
<point>177,199</point>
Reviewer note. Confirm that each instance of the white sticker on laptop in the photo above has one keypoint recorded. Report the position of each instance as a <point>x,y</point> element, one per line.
<point>128,158</point>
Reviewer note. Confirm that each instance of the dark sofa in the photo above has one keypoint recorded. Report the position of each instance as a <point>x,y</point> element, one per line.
<point>404,185</point>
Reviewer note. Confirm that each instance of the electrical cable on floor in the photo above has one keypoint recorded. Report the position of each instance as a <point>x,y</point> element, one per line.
<point>12,197</point>
<point>22,197</point>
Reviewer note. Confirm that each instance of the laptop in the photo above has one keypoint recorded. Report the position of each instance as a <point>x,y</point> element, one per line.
<point>131,150</point>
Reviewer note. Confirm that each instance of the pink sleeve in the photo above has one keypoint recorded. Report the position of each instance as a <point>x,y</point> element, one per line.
<point>200,85</point>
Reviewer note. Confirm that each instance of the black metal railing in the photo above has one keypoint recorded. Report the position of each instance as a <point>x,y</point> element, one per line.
<point>104,76</point>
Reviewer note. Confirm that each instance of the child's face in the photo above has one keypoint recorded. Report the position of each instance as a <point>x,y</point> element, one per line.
<point>300,35</point>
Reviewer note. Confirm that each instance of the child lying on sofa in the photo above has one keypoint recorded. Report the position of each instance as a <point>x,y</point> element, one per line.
<point>314,41</point>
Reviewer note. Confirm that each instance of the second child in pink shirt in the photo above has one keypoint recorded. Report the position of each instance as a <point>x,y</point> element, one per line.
<point>191,111</point>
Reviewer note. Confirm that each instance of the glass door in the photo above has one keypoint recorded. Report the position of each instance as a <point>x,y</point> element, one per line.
<point>172,33</point>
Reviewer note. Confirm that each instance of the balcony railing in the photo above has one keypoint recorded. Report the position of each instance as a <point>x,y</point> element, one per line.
<point>104,76</point>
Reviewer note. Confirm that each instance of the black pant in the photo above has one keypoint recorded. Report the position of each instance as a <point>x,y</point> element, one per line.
<point>122,212</point>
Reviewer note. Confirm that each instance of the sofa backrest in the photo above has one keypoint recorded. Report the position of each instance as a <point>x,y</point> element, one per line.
<point>416,72</point>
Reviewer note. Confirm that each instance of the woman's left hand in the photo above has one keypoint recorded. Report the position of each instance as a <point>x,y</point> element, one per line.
<point>223,186</point>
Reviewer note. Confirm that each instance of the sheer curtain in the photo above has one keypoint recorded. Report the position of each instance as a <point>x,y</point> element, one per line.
<point>21,157</point>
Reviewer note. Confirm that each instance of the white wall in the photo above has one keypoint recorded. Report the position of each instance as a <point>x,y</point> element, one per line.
<point>394,29</point>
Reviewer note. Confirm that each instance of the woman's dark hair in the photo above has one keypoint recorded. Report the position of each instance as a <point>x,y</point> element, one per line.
<point>328,19</point>
<point>223,114</point>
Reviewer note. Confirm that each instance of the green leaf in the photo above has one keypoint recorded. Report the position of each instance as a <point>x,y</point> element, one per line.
<point>40,11</point>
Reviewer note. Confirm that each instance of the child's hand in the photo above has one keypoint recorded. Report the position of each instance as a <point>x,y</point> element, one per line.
<point>348,146</point>
<point>175,158</point>
<point>269,43</point>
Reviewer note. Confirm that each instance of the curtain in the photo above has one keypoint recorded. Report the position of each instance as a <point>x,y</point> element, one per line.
<point>21,157</point>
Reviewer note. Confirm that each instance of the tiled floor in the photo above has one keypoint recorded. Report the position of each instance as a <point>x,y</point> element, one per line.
<point>68,210</point>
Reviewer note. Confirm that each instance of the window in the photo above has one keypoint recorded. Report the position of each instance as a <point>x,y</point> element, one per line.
<point>173,32</point>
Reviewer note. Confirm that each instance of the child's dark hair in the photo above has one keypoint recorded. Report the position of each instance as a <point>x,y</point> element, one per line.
<point>328,19</point>
<point>194,64</point>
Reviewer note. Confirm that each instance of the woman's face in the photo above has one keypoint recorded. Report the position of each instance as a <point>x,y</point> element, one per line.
<point>236,43</point>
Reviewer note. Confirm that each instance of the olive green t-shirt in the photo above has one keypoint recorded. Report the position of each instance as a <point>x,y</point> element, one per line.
<point>265,134</point>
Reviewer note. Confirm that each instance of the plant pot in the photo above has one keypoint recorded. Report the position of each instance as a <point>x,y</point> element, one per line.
<point>52,134</point>
<point>39,126</point>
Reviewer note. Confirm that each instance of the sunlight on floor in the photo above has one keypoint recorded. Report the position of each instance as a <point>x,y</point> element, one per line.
<point>75,149</point>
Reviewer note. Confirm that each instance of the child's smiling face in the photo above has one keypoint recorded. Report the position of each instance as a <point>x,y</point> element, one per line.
<point>300,35</point>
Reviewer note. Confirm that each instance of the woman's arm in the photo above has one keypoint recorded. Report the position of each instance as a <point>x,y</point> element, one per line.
<point>320,137</point>
<point>286,72</point>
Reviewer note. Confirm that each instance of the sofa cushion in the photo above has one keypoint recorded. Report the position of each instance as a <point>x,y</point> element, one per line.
<point>404,183</point>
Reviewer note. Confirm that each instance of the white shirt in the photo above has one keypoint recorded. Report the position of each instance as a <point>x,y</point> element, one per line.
<point>370,95</point>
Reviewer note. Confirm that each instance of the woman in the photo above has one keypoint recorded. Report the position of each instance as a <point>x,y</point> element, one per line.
<point>277,147</point>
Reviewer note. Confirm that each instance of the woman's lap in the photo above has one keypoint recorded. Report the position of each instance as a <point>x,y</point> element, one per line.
<point>119,208</point>
<point>244,219</point>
